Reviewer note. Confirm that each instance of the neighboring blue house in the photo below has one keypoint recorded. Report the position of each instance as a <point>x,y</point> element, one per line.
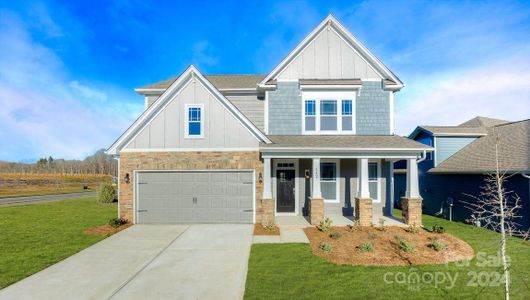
<point>463,155</point>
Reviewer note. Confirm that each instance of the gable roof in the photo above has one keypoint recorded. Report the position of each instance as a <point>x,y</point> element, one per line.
<point>483,122</point>
<point>221,82</point>
<point>332,22</point>
<point>479,156</point>
<point>191,73</point>
<point>478,126</point>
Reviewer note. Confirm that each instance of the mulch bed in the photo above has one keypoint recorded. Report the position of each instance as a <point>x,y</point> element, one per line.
<point>261,230</point>
<point>386,247</point>
<point>106,230</point>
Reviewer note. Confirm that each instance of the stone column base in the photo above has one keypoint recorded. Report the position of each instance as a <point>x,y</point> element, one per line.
<point>268,207</point>
<point>411,210</point>
<point>363,211</point>
<point>316,210</point>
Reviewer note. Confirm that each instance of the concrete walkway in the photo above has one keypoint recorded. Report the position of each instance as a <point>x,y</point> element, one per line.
<point>27,200</point>
<point>149,262</point>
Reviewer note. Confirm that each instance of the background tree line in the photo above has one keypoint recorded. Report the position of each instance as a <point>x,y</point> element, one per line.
<point>99,163</point>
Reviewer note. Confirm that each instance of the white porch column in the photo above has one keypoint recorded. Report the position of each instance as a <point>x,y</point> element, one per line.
<point>316,179</point>
<point>267,187</point>
<point>362,171</point>
<point>412,179</point>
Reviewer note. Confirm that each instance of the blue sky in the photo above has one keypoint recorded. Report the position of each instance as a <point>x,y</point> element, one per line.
<point>68,69</point>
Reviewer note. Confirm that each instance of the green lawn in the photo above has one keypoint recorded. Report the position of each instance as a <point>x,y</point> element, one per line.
<point>33,237</point>
<point>285,271</point>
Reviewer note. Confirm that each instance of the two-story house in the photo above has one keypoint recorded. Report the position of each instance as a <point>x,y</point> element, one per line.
<point>463,157</point>
<point>314,137</point>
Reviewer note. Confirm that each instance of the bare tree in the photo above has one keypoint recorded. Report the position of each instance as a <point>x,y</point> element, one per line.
<point>498,209</point>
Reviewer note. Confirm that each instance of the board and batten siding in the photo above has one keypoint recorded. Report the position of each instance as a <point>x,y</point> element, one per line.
<point>447,146</point>
<point>328,56</point>
<point>167,129</point>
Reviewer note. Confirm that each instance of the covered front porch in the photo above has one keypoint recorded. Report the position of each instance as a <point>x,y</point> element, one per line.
<point>307,184</point>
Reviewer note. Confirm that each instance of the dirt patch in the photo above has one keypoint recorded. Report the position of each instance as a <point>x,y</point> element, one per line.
<point>106,230</point>
<point>386,250</point>
<point>261,230</point>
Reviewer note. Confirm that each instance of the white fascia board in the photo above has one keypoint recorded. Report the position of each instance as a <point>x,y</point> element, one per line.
<point>329,87</point>
<point>142,91</point>
<point>337,155</point>
<point>337,149</point>
<point>173,89</point>
<point>349,38</point>
<point>460,134</point>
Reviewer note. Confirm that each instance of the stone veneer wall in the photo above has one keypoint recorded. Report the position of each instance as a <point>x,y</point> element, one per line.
<point>131,161</point>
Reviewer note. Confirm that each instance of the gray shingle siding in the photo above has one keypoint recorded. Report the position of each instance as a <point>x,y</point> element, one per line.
<point>285,109</point>
<point>373,110</point>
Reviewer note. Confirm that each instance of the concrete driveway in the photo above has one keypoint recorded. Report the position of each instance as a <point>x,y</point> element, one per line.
<point>149,262</point>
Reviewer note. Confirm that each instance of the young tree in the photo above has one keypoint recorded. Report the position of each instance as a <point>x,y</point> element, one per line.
<point>498,209</point>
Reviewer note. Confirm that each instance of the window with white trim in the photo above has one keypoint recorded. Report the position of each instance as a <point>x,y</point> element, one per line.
<point>310,115</point>
<point>373,180</point>
<point>328,181</point>
<point>194,121</point>
<point>328,113</point>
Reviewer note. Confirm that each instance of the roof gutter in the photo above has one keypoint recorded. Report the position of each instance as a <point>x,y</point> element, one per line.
<point>525,175</point>
<point>423,157</point>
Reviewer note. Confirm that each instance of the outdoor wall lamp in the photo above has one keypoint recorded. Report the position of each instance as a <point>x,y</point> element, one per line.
<point>307,174</point>
<point>260,178</point>
<point>127,178</point>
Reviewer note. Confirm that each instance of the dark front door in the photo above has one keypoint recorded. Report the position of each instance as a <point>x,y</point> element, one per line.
<point>285,191</point>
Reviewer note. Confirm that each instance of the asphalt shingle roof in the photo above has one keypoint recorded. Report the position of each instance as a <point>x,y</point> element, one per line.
<point>479,156</point>
<point>343,141</point>
<point>455,130</point>
<point>219,81</point>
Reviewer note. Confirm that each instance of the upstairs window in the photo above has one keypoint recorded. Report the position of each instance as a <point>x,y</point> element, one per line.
<point>310,115</point>
<point>328,113</point>
<point>194,121</point>
<point>347,115</point>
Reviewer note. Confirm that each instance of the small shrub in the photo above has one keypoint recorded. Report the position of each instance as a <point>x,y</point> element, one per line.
<point>326,247</point>
<point>335,235</point>
<point>405,245</point>
<point>117,222</point>
<point>270,227</point>
<point>353,227</point>
<point>382,226</point>
<point>436,229</point>
<point>437,245</point>
<point>106,193</point>
<point>366,247</point>
<point>413,229</point>
<point>325,225</point>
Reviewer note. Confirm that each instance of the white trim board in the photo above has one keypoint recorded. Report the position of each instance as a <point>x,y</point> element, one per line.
<point>189,75</point>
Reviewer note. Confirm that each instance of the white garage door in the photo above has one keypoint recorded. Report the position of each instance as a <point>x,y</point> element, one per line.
<point>194,197</point>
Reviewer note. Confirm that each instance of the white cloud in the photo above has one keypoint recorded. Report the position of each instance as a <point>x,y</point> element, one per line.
<point>87,92</point>
<point>498,90</point>
<point>44,111</point>
<point>202,54</point>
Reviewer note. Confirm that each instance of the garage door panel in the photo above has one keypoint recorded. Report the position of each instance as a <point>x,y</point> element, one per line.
<point>220,197</point>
